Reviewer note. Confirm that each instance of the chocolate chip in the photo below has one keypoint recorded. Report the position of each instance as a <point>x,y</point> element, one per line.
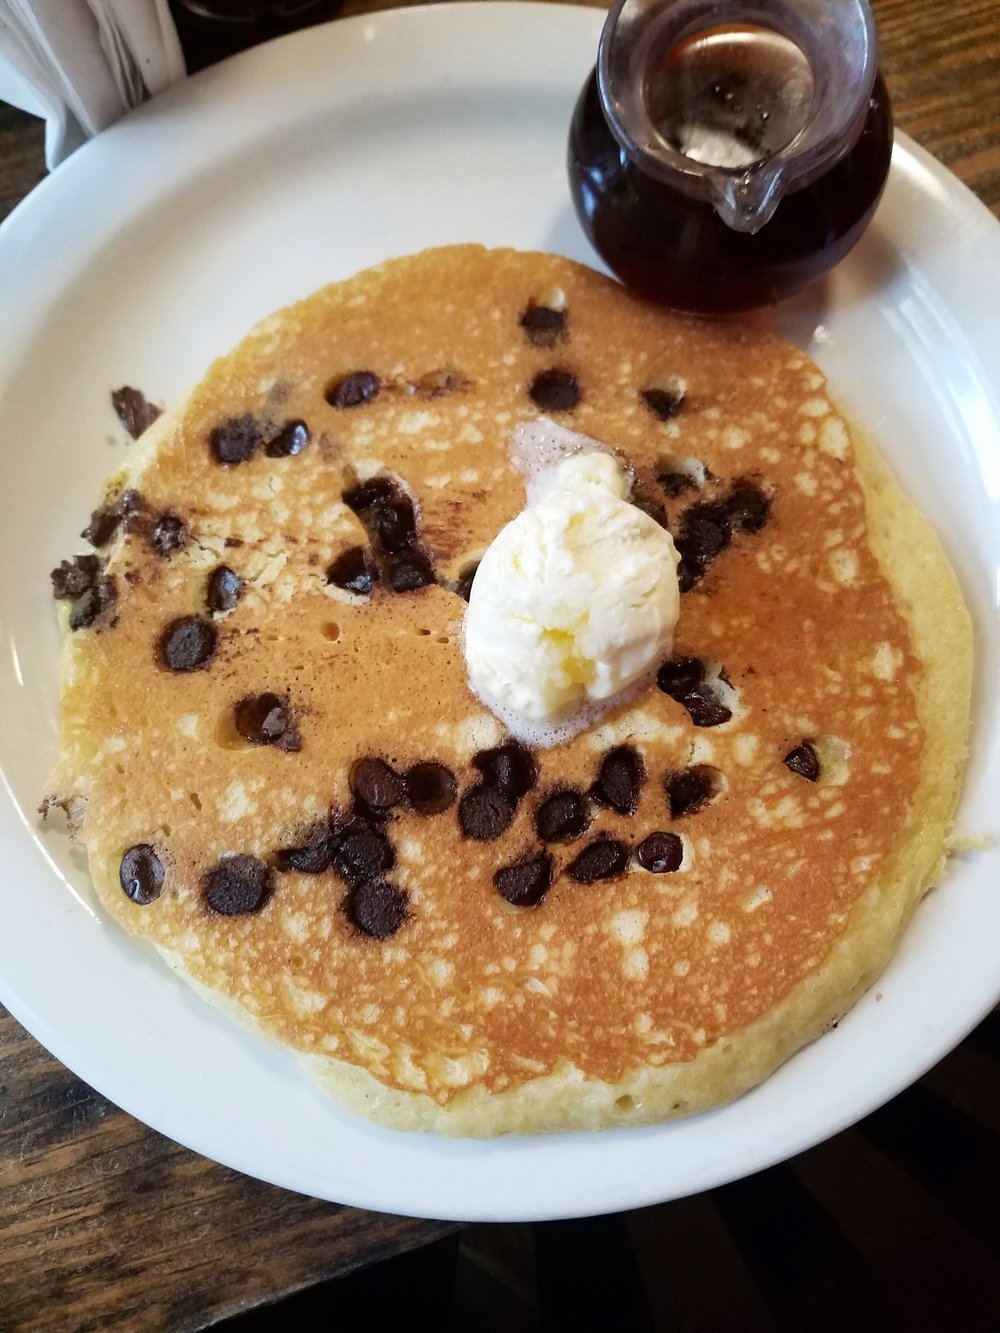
<point>377,784</point>
<point>484,812</point>
<point>676,483</point>
<point>680,676</point>
<point>509,767</point>
<point>74,577</point>
<point>361,386</point>
<point>684,680</point>
<point>387,513</point>
<point>604,858</point>
<point>704,708</point>
<point>708,527</point>
<point>465,581</point>
<point>266,719</point>
<point>430,787</point>
<point>361,497</point>
<point>747,507</point>
<point>660,853</point>
<point>312,857</point>
<point>562,816</point>
<point>102,526</point>
<point>377,909</point>
<point>691,789</point>
<point>663,403</point>
<point>353,571</point>
<point>225,587</point>
<point>134,410</point>
<point>699,542</point>
<point>94,602</point>
<point>235,440</point>
<point>237,885</point>
<point>104,522</point>
<point>169,534</point>
<point>525,883</point>
<point>544,326</point>
<point>803,760</point>
<point>363,853</point>
<point>141,874</point>
<point>188,643</point>
<point>290,440</point>
<point>410,573</point>
<point>619,781</point>
<point>393,523</point>
<point>555,390</point>
<point>652,508</point>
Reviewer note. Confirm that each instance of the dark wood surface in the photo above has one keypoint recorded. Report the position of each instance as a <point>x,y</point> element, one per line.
<point>106,1224</point>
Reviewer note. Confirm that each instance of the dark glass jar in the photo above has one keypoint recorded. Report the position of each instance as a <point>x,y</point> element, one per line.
<point>210,30</point>
<point>718,164</point>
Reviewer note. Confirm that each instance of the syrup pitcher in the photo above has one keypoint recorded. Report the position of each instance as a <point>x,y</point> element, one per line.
<point>725,155</point>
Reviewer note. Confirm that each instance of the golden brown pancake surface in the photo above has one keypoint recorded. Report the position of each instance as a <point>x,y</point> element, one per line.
<point>624,999</point>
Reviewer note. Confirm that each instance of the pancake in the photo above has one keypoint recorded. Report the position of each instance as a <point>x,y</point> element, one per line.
<point>272,756</point>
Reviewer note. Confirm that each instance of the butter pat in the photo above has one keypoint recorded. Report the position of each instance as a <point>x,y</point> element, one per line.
<point>575,599</point>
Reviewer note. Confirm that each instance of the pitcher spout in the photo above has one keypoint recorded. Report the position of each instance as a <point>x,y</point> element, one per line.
<point>746,200</point>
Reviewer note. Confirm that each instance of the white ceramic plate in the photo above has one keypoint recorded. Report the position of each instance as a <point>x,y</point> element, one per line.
<point>155,248</point>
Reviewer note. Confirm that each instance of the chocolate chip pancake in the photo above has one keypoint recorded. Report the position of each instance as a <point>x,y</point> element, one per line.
<point>272,755</point>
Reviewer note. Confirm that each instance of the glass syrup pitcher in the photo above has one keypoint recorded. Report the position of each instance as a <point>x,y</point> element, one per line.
<point>724,155</point>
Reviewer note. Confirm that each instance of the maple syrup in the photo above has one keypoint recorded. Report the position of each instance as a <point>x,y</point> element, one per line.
<point>726,167</point>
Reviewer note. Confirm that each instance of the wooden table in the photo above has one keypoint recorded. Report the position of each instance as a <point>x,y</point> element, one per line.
<point>104,1223</point>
